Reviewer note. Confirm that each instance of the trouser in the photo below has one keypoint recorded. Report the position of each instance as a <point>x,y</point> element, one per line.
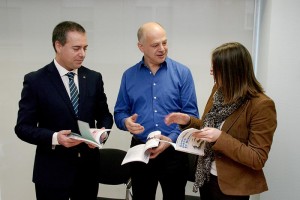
<point>169,169</point>
<point>82,191</point>
<point>84,186</point>
<point>211,191</point>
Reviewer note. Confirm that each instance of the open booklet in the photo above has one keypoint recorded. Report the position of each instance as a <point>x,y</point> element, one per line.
<point>185,142</point>
<point>90,135</point>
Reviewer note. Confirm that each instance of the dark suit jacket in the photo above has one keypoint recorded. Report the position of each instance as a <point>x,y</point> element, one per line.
<point>45,108</point>
<point>242,149</point>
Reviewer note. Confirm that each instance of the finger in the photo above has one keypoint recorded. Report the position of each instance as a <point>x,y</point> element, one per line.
<point>91,146</point>
<point>169,119</point>
<point>154,152</point>
<point>136,131</point>
<point>134,117</point>
<point>65,132</point>
<point>135,125</point>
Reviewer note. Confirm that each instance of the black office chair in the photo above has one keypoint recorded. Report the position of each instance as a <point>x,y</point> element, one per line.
<point>191,174</point>
<point>114,172</point>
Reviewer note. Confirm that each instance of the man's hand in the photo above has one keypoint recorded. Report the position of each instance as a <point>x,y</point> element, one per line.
<point>154,152</point>
<point>177,118</point>
<point>133,127</point>
<point>91,145</point>
<point>64,140</point>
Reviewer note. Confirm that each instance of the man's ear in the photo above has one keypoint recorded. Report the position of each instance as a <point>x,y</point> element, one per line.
<point>140,46</point>
<point>57,46</point>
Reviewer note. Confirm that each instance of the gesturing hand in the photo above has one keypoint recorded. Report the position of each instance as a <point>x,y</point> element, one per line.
<point>133,127</point>
<point>177,118</point>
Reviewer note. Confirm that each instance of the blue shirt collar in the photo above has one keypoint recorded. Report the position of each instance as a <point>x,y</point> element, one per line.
<point>142,63</point>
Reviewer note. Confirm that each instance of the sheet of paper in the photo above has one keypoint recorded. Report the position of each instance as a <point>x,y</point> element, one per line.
<point>151,140</point>
<point>84,129</point>
<point>186,142</point>
<point>136,153</point>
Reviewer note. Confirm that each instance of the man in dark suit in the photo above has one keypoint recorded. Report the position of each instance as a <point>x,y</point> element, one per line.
<point>64,168</point>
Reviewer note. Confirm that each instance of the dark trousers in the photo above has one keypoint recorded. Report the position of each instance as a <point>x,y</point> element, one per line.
<point>211,191</point>
<point>169,169</point>
<point>77,193</point>
<point>84,187</point>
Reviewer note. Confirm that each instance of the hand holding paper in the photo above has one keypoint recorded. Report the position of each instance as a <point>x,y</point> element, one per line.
<point>92,136</point>
<point>185,142</point>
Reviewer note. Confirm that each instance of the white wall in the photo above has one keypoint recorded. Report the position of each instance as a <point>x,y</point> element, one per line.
<point>194,28</point>
<point>279,71</point>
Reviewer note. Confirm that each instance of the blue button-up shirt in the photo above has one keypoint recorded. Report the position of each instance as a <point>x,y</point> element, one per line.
<point>152,97</point>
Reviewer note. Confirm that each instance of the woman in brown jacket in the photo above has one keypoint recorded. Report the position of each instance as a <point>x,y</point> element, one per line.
<point>238,124</point>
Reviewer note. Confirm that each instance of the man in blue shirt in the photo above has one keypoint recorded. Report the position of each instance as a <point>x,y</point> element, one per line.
<point>151,89</point>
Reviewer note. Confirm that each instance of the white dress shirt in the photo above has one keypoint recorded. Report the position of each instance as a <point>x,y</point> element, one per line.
<point>63,74</point>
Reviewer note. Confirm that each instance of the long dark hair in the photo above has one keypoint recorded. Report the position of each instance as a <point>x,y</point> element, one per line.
<point>233,72</point>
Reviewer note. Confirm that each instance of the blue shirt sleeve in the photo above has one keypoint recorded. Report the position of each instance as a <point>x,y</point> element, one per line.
<point>122,107</point>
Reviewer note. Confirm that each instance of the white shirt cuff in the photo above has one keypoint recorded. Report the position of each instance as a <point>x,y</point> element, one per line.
<point>54,139</point>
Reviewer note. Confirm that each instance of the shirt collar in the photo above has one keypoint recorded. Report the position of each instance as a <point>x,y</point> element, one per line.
<point>61,70</point>
<point>142,63</point>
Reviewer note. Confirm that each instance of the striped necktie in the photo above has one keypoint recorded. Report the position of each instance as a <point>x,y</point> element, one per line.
<point>73,92</point>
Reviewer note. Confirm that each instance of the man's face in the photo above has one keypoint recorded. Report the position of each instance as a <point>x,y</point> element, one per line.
<point>154,46</point>
<point>72,54</point>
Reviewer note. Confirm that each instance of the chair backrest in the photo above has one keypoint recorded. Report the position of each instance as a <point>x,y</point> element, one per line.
<point>112,172</point>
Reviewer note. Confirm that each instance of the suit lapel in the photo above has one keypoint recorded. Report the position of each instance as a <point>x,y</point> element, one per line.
<point>82,81</point>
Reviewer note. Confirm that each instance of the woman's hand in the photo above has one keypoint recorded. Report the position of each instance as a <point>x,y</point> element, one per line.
<point>177,118</point>
<point>208,134</point>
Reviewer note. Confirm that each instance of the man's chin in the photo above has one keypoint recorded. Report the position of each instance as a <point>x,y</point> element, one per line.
<point>162,58</point>
<point>77,66</point>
